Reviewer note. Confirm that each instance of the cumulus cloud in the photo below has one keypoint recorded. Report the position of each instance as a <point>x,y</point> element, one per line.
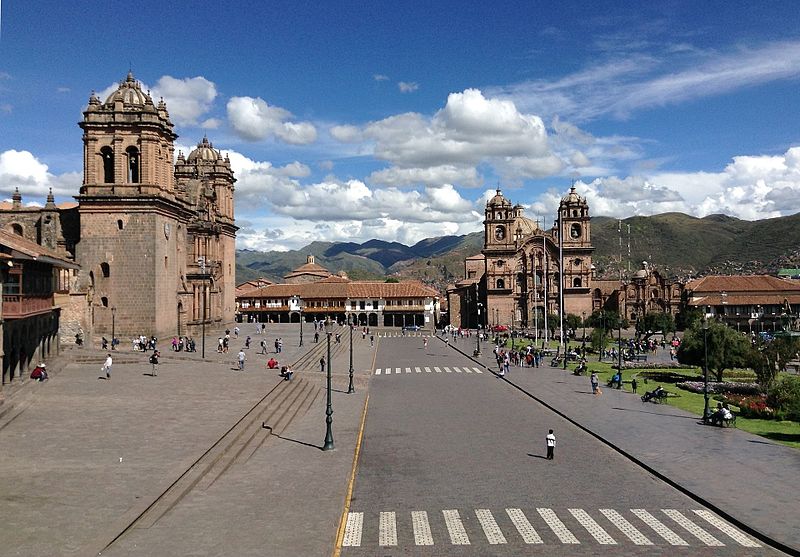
<point>449,146</point>
<point>380,77</point>
<point>23,170</point>
<point>750,187</point>
<point>407,86</point>
<point>253,119</point>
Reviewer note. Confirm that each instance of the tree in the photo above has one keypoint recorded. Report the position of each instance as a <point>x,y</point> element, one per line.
<point>655,321</point>
<point>687,317</point>
<point>552,323</point>
<point>768,358</point>
<point>393,279</point>
<point>727,349</point>
<point>599,339</point>
<point>571,323</point>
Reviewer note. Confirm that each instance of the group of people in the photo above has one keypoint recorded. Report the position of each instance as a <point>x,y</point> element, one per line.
<point>185,343</point>
<point>143,344</point>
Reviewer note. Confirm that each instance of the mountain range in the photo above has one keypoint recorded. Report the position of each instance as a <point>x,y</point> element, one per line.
<point>676,244</point>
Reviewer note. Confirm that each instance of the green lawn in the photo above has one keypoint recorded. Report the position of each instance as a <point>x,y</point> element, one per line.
<point>785,432</point>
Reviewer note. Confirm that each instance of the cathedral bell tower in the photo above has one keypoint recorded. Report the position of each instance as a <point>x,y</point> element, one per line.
<point>575,231</point>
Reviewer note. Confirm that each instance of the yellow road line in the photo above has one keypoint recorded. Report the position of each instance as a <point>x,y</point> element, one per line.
<point>343,521</point>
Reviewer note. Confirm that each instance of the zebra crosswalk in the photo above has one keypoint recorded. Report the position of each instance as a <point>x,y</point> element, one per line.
<point>408,334</point>
<point>463,370</point>
<point>545,526</point>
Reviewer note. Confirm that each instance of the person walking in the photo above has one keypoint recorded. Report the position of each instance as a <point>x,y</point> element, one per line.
<point>242,358</point>
<point>322,364</point>
<point>154,362</point>
<point>551,444</point>
<point>371,341</point>
<point>107,366</point>
<point>595,381</point>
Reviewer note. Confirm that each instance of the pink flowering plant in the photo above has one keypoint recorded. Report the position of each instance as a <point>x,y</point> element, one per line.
<point>721,387</point>
<point>750,406</point>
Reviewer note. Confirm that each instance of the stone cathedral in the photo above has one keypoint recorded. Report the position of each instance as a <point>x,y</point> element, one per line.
<point>153,234</point>
<point>517,276</point>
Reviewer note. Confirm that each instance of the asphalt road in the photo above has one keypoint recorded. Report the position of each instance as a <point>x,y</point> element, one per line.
<point>452,463</point>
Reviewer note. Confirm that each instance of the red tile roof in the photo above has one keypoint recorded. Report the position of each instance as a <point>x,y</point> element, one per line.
<point>28,249</point>
<point>741,283</point>
<point>337,287</point>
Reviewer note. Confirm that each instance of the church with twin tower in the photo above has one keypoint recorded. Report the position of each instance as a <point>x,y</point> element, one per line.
<point>157,236</point>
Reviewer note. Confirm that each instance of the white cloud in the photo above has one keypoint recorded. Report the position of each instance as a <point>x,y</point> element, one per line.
<point>22,169</point>
<point>346,134</point>
<point>407,86</point>
<point>253,119</point>
<point>211,123</point>
<point>380,77</point>
<point>634,81</point>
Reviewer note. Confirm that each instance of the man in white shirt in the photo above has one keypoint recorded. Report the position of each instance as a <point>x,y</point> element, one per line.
<point>242,358</point>
<point>107,366</point>
<point>551,444</point>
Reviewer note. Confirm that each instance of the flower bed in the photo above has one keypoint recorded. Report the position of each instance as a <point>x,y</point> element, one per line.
<point>723,387</point>
<point>654,365</point>
<point>752,406</point>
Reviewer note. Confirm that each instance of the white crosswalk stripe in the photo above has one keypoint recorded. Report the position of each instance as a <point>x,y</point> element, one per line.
<point>427,370</point>
<point>493,533</point>
<point>592,527</point>
<point>626,527</point>
<point>422,528</point>
<point>467,370</point>
<point>437,370</point>
<point>408,370</point>
<point>448,370</point>
<point>418,370</point>
<point>458,535</point>
<point>524,527</point>
<point>714,520</point>
<point>660,528</point>
<point>557,526</point>
<point>378,371</point>
<point>692,528</point>
<point>352,532</point>
<point>477,370</point>
<point>457,369</point>
<point>397,370</point>
<point>387,532</point>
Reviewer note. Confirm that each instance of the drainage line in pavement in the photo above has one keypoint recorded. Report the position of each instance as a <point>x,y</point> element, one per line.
<point>747,528</point>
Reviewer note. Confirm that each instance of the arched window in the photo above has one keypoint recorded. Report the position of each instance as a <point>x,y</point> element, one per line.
<point>575,230</point>
<point>576,282</point>
<point>107,154</point>
<point>17,229</point>
<point>105,269</point>
<point>133,165</point>
<point>119,224</point>
<point>104,301</point>
<point>501,283</point>
<point>574,213</point>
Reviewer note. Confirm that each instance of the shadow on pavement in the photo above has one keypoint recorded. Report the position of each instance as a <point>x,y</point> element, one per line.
<point>655,413</point>
<point>537,456</point>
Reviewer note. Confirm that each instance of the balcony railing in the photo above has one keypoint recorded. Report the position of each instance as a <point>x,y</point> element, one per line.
<point>21,305</point>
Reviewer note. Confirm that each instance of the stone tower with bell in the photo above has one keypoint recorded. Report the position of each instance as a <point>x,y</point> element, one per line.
<point>575,228</point>
<point>141,229</point>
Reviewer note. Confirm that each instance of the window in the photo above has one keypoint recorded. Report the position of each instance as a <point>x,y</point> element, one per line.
<point>361,304</point>
<point>133,165</point>
<point>107,156</point>
<point>16,229</point>
<point>576,282</point>
<point>104,301</point>
<point>105,269</point>
<point>501,283</point>
<point>575,230</point>
<point>119,224</point>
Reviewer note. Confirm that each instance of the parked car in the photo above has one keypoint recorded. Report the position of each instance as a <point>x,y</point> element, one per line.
<point>412,328</point>
<point>499,328</point>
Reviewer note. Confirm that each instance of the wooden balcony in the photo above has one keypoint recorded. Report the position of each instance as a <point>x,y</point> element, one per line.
<point>17,306</point>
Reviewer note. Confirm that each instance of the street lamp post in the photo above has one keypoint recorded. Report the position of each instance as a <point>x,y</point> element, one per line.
<point>328,445</point>
<point>705,369</point>
<point>350,388</point>
<point>602,335</point>
<point>478,332</point>
<point>619,343</point>
<point>583,344</point>
<point>300,312</point>
<point>113,326</point>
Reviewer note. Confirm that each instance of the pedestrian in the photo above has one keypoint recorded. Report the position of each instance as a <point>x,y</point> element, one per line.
<point>247,342</point>
<point>595,383</point>
<point>241,358</point>
<point>506,364</point>
<point>322,364</point>
<point>316,337</point>
<point>263,346</point>
<point>154,362</point>
<point>633,385</point>
<point>236,331</point>
<point>280,344</point>
<point>107,366</point>
<point>371,340</point>
<point>551,444</point>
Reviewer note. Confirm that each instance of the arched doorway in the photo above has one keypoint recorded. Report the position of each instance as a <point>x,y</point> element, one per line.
<point>373,319</point>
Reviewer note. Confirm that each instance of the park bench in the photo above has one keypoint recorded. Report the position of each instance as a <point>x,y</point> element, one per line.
<point>731,422</point>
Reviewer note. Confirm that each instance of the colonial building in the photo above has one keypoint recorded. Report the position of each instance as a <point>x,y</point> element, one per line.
<point>367,303</point>
<point>153,234</point>
<point>518,274</point>
<point>647,291</point>
<point>750,303</point>
<point>31,276</point>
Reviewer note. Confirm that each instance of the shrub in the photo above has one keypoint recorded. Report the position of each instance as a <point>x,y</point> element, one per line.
<point>753,406</point>
<point>784,395</point>
<point>721,387</point>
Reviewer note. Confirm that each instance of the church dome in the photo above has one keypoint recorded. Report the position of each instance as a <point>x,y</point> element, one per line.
<point>204,152</point>
<point>129,93</point>
<point>572,197</point>
<point>524,226</point>
<point>498,200</point>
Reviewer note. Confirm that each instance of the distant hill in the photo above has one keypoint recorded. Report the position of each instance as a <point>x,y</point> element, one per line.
<point>677,244</point>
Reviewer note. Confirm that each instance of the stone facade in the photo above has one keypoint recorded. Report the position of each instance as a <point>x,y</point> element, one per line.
<point>153,238</point>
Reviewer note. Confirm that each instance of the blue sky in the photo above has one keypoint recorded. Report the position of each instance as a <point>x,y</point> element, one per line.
<point>395,120</point>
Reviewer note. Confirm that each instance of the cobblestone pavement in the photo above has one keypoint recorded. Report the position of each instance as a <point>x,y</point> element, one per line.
<point>453,464</point>
<point>744,475</point>
<point>83,453</point>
